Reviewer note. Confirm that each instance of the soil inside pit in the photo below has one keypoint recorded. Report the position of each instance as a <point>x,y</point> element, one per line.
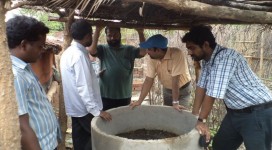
<point>144,134</point>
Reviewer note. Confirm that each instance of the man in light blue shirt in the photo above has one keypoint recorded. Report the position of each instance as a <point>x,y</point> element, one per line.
<point>80,86</point>
<point>38,123</point>
<point>226,75</point>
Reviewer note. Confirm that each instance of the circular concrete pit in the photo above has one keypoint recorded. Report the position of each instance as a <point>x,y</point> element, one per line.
<point>145,117</point>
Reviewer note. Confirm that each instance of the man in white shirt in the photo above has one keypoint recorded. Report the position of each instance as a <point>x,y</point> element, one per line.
<point>80,86</point>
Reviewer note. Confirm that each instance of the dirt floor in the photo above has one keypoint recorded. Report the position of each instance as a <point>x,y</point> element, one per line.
<point>144,134</point>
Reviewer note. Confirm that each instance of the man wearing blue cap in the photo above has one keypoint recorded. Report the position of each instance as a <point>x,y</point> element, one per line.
<point>170,64</point>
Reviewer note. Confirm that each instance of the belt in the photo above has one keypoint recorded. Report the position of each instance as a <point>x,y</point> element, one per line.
<point>185,85</point>
<point>250,109</point>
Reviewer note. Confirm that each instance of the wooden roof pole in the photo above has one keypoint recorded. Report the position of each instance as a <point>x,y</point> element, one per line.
<point>128,25</point>
<point>206,10</point>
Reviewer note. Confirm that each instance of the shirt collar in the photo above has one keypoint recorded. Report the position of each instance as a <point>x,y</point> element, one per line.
<point>80,46</point>
<point>216,49</point>
<point>18,62</point>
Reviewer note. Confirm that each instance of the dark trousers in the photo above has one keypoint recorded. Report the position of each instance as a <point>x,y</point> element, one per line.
<point>254,129</point>
<point>113,103</point>
<point>81,132</point>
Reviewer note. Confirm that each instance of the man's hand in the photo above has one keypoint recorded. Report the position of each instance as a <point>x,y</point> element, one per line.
<point>135,104</point>
<point>105,115</point>
<point>178,107</point>
<point>203,130</point>
<point>101,72</point>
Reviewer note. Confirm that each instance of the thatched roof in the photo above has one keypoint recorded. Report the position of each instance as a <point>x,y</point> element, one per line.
<point>163,13</point>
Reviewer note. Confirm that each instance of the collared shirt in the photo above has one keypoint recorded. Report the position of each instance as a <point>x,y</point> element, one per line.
<point>33,101</point>
<point>174,63</point>
<point>80,84</point>
<point>228,76</point>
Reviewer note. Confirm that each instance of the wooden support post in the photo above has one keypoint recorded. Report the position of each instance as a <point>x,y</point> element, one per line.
<point>10,135</point>
<point>62,114</point>
<point>261,55</point>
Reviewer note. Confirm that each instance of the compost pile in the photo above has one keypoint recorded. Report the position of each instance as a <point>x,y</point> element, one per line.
<point>144,134</point>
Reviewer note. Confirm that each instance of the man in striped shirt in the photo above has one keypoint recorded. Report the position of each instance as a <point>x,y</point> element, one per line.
<point>38,123</point>
<point>226,75</point>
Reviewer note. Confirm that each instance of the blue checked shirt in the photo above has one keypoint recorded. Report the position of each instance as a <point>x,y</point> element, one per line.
<point>228,76</point>
<point>33,101</point>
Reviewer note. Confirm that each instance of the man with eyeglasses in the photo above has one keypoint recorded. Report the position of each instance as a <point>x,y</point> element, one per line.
<point>226,75</point>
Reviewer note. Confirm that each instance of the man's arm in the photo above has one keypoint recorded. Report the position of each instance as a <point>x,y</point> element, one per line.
<point>145,89</point>
<point>175,93</point>
<point>29,139</point>
<point>199,96</point>
<point>204,113</point>
<point>197,70</point>
<point>93,48</point>
<point>175,87</point>
<point>142,39</point>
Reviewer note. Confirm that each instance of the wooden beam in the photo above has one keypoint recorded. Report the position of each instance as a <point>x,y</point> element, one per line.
<point>128,24</point>
<point>258,58</point>
<point>58,19</point>
<point>249,6</point>
<point>216,12</point>
<point>239,4</point>
<point>139,25</point>
<point>262,3</point>
<point>26,3</point>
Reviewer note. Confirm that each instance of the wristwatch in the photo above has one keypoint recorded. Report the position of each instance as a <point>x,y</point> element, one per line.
<point>202,120</point>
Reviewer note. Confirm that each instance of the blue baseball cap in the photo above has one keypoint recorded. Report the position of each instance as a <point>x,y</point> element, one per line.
<point>157,41</point>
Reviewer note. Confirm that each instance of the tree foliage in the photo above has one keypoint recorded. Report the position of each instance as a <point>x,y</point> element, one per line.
<point>43,17</point>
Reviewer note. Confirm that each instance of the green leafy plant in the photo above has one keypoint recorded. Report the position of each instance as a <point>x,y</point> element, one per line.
<point>43,17</point>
